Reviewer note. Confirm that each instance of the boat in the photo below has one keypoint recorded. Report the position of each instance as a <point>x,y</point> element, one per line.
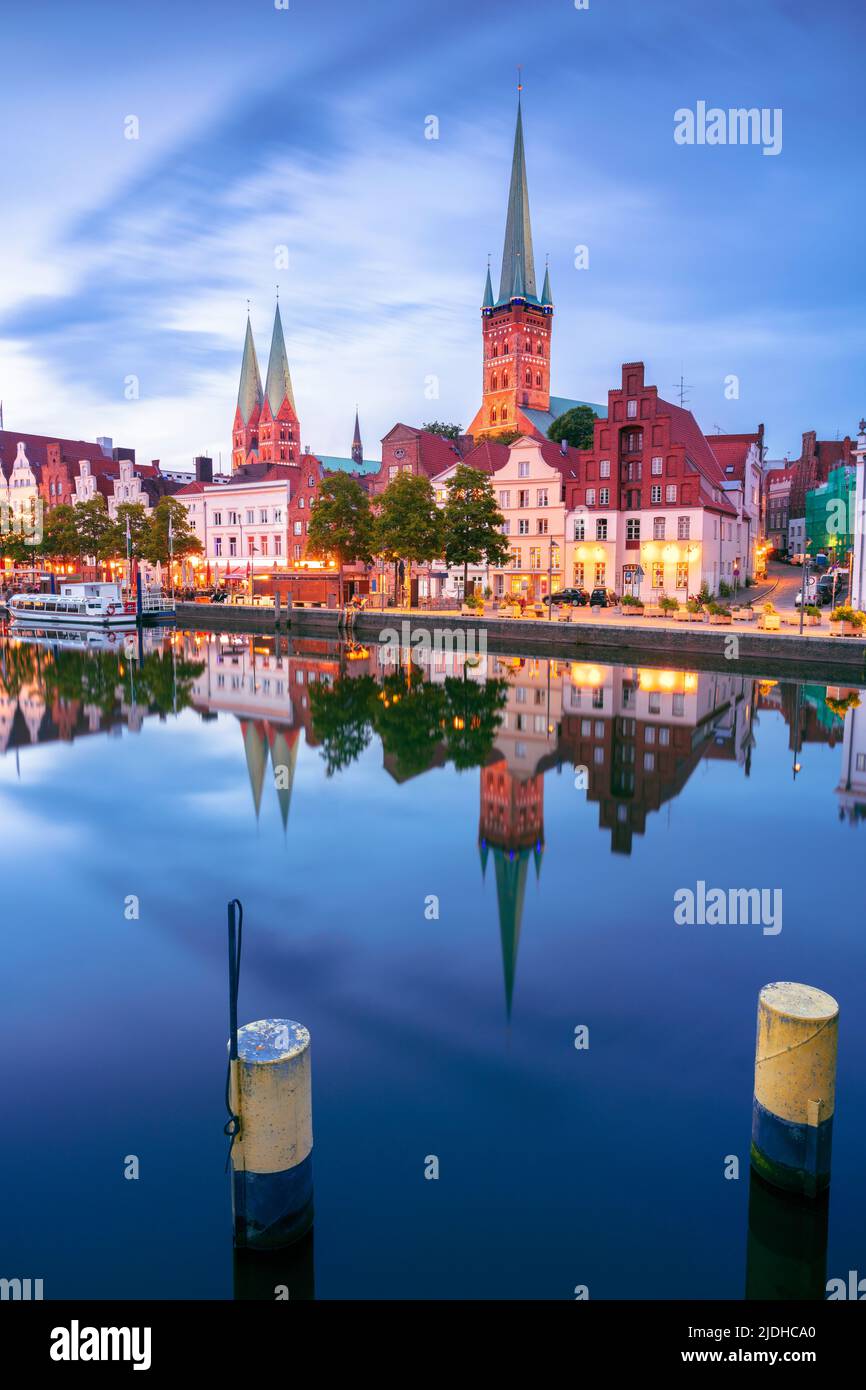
<point>76,605</point>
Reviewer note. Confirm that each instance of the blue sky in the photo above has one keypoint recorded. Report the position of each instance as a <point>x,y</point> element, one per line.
<point>304,128</point>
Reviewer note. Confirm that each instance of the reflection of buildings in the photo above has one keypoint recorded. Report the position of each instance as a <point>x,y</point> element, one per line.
<point>851,789</point>
<point>511,829</point>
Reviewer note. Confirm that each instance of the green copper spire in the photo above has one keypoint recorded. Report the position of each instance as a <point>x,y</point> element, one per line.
<point>517,290</point>
<point>278,385</point>
<point>487,301</point>
<point>546,296</point>
<point>518,230</point>
<point>250,388</point>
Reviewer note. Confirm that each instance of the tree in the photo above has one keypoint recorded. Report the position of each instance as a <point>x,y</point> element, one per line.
<point>575,427</point>
<point>60,534</point>
<point>136,514</point>
<point>156,547</point>
<point>342,523</point>
<point>472,522</point>
<point>446,431</point>
<point>94,529</point>
<point>409,524</point>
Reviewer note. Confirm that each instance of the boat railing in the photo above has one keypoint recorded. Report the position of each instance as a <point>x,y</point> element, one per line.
<point>155,601</point>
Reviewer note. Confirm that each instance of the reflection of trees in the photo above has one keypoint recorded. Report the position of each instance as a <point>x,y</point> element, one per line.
<point>98,679</point>
<point>413,717</point>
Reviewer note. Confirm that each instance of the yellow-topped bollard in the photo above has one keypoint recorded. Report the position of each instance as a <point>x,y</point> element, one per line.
<point>795,1086</point>
<point>272,1153</point>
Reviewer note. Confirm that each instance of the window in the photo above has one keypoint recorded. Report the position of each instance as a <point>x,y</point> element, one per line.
<point>218,546</point>
<point>251,516</point>
<point>538,378</point>
<point>579,529</point>
<point>861,762</point>
<point>600,574</point>
<point>505,499</point>
<point>296,552</point>
<point>263,545</point>
<point>523,469</point>
<point>554,555</point>
<point>278,514</point>
<point>656,467</point>
<point>658,575</point>
<point>535,557</point>
<point>515,559</point>
<point>590,496</point>
<point>649,762</point>
<point>298,528</point>
<point>604,497</point>
<point>658,528</point>
<point>542,497</point>
<point>671,492</point>
<point>523,526</point>
<point>664,737</point>
<point>539,349</point>
<point>579,573</point>
<point>233,518</point>
<point>633,441</point>
<point>649,734</point>
<point>233,545</point>
<point>278,545</point>
<point>263,516</point>
<point>311,482</point>
<point>601,529</point>
<point>655,703</point>
<point>217,518</point>
<point>506,528</point>
<point>632,529</point>
<point>523,497</point>
<point>604,468</point>
<point>528,378</point>
<point>393,470</point>
<point>678,704</point>
<point>631,410</point>
<point>542,526</point>
<point>655,493</point>
<point>682,579</point>
<point>494,382</point>
<point>251,545</point>
<point>683,527</point>
<point>300,501</point>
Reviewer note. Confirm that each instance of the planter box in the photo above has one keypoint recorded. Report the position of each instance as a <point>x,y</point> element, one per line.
<point>742,615</point>
<point>630,610</point>
<point>771,622</point>
<point>720,619</point>
<point>653,610</point>
<point>843,629</point>
<point>813,619</point>
<point>682,615</point>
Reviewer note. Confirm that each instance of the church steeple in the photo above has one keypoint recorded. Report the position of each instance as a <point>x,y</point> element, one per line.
<point>357,446</point>
<point>516,328</point>
<point>278,385</point>
<point>250,388</point>
<point>546,296</point>
<point>517,257</point>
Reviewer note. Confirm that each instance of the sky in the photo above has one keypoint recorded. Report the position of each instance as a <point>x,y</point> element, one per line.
<point>289,146</point>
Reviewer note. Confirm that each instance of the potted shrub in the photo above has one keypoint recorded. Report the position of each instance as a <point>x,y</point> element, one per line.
<point>843,621</point>
<point>694,608</point>
<point>632,605</point>
<point>719,615</point>
<point>813,615</point>
<point>770,620</point>
<point>668,605</point>
<point>840,705</point>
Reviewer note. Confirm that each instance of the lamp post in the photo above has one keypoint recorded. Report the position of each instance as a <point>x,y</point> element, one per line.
<point>806,559</point>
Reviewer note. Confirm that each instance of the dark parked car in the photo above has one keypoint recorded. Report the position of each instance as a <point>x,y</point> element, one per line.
<point>602,598</point>
<point>579,598</point>
<point>825,591</point>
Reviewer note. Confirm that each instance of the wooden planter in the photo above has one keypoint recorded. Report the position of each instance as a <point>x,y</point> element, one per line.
<point>682,615</point>
<point>843,629</point>
<point>720,619</point>
<point>813,619</point>
<point>630,610</point>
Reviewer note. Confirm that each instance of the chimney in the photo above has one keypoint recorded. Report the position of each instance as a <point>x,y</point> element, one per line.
<point>203,468</point>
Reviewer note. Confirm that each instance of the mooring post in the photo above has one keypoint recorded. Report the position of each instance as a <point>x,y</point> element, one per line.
<point>272,1154</point>
<point>795,1087</point>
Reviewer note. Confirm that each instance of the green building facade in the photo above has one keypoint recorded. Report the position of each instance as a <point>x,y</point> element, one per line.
<point>830,515</point>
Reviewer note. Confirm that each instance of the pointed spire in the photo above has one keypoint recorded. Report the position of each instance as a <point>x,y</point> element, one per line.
<point>250,389</point>
<point>546,296</point>
<point>357,446</point>
<point>487,302</point>
<point>517,289</point>
<point>278,386</point>
<point>518,230</point>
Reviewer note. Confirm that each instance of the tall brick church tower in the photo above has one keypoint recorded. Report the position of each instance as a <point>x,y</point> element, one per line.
<point>266,422</point>
<point>516,327</point>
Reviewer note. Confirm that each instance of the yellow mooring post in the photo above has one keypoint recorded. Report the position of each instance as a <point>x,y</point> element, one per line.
<point>795,1087</point>
<point>270,1105</point>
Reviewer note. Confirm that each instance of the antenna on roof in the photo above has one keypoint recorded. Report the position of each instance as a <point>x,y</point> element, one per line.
<point>681,387</point>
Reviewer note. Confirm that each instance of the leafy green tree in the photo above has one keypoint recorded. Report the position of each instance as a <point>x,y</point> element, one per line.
<point>446,431</point>
<point>342,718</point>
<point>409,524</point>
<point>155,544</point>
<point>94,529</point>
<point>473,714</point>
<point>136,514</point>
<point>60,534</point>
<point>575,427</point>
<point>472,522</point>
<point>408,717</point>
<point>341,524</point>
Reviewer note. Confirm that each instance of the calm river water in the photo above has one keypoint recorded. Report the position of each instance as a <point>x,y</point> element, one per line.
<point>459,868</point>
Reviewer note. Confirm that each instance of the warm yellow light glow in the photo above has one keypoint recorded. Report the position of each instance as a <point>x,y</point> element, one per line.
<point>677,682</point>
<point>583,674</point>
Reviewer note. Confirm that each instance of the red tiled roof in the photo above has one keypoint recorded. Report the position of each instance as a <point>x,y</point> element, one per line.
<point>565,462</point>
<point>36,448</point>
<point>732,450</point>
<point>486,456</point>
<point>685,430</point>
<point>435,453</point>
<point>195,487</point>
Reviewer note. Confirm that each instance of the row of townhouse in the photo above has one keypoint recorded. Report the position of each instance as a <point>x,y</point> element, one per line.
<point>259,519</point>
<point>652,507</point>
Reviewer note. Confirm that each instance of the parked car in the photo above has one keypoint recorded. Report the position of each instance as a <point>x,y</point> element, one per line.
<point>578,597</point>
<point>602,598</point>
<point>796,559</point>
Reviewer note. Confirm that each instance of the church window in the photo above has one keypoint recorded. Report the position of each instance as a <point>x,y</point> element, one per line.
<point>504,382</point>
<point>538,378</point>
<point>505,349</point>
<point>493,380</point>
<point>493,415</point>
<point>529,378</point>
<point>505,412</point>
<point>540,349</point>
<point>528,345</point>
<point>495,349</point>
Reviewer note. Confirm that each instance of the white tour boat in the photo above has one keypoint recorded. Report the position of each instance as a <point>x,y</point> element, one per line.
<point>76,605</point>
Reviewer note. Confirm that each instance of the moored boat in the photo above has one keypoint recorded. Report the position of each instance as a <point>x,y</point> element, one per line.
<point>75,605</point>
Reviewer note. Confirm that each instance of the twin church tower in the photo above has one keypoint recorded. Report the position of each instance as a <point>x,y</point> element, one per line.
<point>516,330</point>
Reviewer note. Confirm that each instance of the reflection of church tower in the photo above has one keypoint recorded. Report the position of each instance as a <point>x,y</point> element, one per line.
<point>284,755</point>
<point>511,827</point>
<point>256,751</point>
